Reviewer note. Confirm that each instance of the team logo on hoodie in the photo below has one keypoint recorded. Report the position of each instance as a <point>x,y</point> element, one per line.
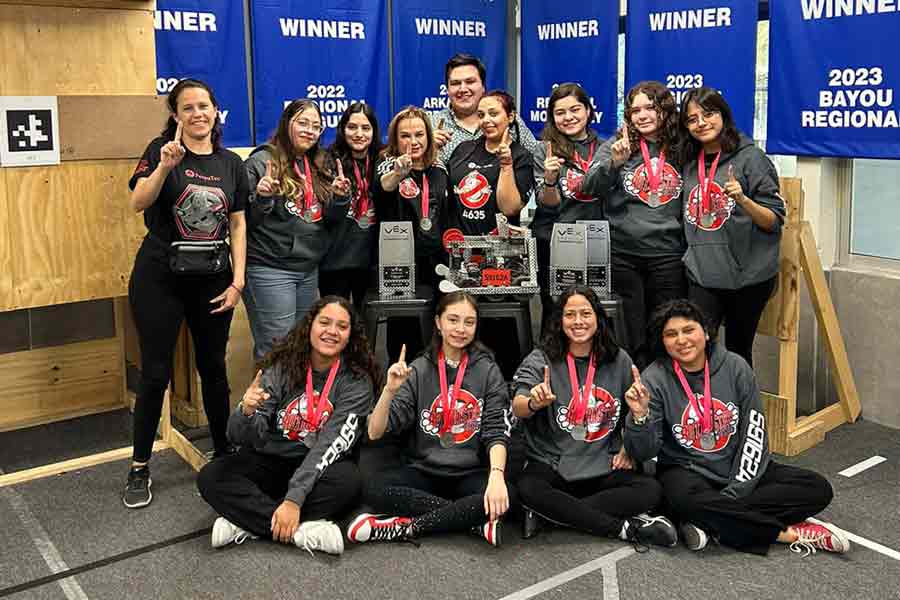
<point>725,422</point>
<point>409,189</point>
<point>720,207</point>
<point>474,190</point>
<point>292,421</point>
<point>638,184</point>
<point>466,419</point>
<point>571,186</point>
<point>600,418</point>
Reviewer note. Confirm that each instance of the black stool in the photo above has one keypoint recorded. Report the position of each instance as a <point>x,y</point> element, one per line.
<point>616,314</point>
<point>511,308</point>
<point>421,307</point>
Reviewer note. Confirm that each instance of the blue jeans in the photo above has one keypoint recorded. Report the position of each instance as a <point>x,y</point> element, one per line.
<point>276,299</point>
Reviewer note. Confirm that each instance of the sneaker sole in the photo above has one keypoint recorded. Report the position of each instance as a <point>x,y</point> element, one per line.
<point>141,504</point>
<point>694,533</point>
<point>840,535</point>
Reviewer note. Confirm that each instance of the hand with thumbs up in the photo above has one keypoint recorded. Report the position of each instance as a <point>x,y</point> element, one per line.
<point>637,396</point>
<point>733,187</point>
<point>398,372</point>
<point>172,153</point>
<point>341,184</point>
<point>542,394</point>
<point>441,135</point>
<point>267,186</point>
<point>254,396</point>
<point>621,148</point>
<point>552,166</point>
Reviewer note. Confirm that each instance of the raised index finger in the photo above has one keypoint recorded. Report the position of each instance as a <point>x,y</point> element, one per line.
<point>625,133</point>
<point>340,169</point>
<point>546,375</point>
<point>257,379</point>
<point>549,148</point>
<point>731,172</point>
<point>269,168</point>
<point>636,374</point>
<point>402,358</point>
<point>440,125</point>
<point>178,131</point>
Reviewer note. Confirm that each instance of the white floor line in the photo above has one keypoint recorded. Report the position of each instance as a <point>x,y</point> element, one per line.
<point>51,555</point>
<point>607,563</point>
<point>862,466</point>
<point>889,552</point>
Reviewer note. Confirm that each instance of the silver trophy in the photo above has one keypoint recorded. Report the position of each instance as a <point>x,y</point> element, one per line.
<point>568,257</point>
<point>396,261</point>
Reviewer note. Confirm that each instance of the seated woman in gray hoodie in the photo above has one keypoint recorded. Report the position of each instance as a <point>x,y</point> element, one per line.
<point>570,394</point>
<point>697,408</point>
<point>455,400</point>
<point>732,219</point>
<point>297,425</point>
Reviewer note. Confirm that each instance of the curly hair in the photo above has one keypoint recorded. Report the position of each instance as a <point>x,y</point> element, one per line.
<point>664,103</point>
<point>171,126</point>
<point>393,145</point>
<point>680,307</point>
<point>555,343</point>
<point>563,147</point>
<point>708,99</point>
<point>283,154</point>
<point>293,351</point>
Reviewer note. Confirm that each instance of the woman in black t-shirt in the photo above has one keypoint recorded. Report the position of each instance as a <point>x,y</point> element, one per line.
<point>192,192</point>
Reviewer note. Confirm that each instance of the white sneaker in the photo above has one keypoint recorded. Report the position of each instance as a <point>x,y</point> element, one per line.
<point>225,532</point>
<point>319,535</point>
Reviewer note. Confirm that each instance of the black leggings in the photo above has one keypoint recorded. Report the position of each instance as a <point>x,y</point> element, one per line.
<point>351,284</point>
<point>247,487</point>
<point>739,309</point>
<point>784,496</point>
<point>598,505</point>
<point>436,504</point>
<point>160,301</point>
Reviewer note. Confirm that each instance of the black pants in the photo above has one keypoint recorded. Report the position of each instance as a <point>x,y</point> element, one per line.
<point>784,496</point>
<point>247,487</point>
<point>160,301</point>
<point>739,309</point>
<point>643,284</point>
<point>351,284</point>
<point>543,264</point>
<point>598,505</point>
<point>436,504</point>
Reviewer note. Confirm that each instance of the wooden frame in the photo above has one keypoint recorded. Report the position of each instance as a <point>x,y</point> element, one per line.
<point>789,434</point>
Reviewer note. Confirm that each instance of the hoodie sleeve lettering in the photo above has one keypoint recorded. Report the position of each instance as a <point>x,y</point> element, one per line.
<point>752,458</point>
<point>337,437</point>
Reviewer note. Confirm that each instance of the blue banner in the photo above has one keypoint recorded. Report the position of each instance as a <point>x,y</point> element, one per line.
<point>426,33</point>
<point>833,74</point>
<point>569,42</point>
<point>689,43</point>
<point>205,40</point>
<point>333,51</point>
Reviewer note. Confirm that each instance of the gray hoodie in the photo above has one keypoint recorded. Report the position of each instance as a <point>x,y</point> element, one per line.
<point>732,252</point>
<point>481,417</point>
<point>276,235</point>
<point>741,453</point>
<point>637,227</point>
<point>280,426</point>
<point>548,432</point>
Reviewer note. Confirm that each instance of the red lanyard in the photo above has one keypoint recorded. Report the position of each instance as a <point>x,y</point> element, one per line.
<point>582,164</point>
<point>703,182</point>
<point>448,404</point>
<point>309,198</point>
<point>424,204</point>
<point>314,413</point>
<point>362,188</point>
<point>654,179</point>
<point>580,394</point>
<point>706,421</point>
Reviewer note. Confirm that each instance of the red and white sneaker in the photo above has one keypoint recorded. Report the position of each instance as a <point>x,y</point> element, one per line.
<point>378,528</point>
<point>819,536</point>
<point>490,531</point>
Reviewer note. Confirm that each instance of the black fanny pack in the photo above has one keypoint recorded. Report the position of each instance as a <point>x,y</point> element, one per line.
<point>198,258</point>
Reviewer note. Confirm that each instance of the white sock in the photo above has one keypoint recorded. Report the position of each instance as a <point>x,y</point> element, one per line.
<point>623,535</point>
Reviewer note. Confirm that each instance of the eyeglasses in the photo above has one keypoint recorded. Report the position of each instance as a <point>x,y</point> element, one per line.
<point>308,126</point>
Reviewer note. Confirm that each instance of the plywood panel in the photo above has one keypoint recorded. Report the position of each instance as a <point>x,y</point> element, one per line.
<point>52,51</point>
<point>90,127</point>
<point>6,288</point>
<point>73,233</point>
<point>40,386</point>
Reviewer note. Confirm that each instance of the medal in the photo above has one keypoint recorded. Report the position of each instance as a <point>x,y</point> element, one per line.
<point>363,221</point>
<point>448,401</point>
<point>703,209</point>
<point>425,224</point>
<point>654,178</point>
<point>309,195</point>
<point>315,409</point>
<point>707,433</point>
<point>362,194</point>
<point>580,394</point>
<point>425,221</point>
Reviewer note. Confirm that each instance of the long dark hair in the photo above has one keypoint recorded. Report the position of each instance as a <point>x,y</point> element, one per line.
<point>664,102</point>
<point>445,302</point>
<point>168,131</point>
<point>341,148</point>
<point>562,145</point>
<point>284,155</point>
<point>711,100</point>
<point>509,105</point>
<point>293,351</point>
<point>681,307</point>
<point>555,343</point>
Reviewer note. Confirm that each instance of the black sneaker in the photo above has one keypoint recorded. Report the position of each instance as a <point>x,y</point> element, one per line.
<point>645,529</point>
<point>228,451</point>
<point>531,524</point>
<point>137,490</point>
<point>693,537</point>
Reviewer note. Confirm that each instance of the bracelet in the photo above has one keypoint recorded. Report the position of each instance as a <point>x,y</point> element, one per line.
<point>239,290</point>
<point>501,469</point>
<point>533,410</point>
<point>640,420</point>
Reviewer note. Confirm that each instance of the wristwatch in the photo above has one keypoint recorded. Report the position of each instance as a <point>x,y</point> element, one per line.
<point>640,420</point>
